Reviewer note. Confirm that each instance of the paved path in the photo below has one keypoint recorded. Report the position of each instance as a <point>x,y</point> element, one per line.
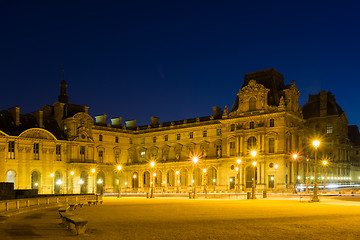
<point>159,218</point>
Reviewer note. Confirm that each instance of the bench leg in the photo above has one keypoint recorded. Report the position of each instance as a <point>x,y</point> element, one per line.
<point>80,228</point>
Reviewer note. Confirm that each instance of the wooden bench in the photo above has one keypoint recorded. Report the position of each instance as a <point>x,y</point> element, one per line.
<point>63,216</point>
<point>63,209</point>
<point>79,222</point>
<point>95,202</point>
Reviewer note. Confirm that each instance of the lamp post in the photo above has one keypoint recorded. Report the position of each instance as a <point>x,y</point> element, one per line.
<point>152,164</point>
<point>178,181</point>
<point>205,182</point>
<point>276,167</point>
<point>253,153</point>
<point>134,177</point>
<point>59,182</point>
<point>293,165</point>
<point>195,160</point>
<point>81,182</point>
<point>52,183</point>
<point>93,172</point>
<point>324,162</point>
<point>307,175</point>
<point>315,198</point>
<point>238,175</point>
<point>72,181</point>
<point>119,187</point>
<point>100,182</point>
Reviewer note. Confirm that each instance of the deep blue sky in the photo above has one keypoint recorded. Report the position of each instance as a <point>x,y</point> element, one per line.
<point>174,59</point>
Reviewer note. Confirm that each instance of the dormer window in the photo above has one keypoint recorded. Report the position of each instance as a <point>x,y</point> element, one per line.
<point>252,104</point>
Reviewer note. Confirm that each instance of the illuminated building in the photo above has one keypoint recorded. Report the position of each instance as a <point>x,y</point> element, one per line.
<point>64,140</point>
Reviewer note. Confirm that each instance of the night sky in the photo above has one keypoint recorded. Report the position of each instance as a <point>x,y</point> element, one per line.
<point>174,59</point>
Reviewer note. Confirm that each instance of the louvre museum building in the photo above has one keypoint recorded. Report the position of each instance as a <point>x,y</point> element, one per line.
<point>265,135</point>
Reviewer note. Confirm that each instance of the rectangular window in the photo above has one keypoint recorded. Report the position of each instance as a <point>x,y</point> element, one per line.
<point>154,139</point>
<point>205,133</point>
<point>11,150</point>
<point>218,132</point>
<point>166,138</point>
<point>178,136</point>
<point>101,157</point>
<point>232,148</point>
<point>36,151</point>
<point>142,155</point>
<point>100,138</point>
<point>82,152</point>
<point>232,127</point>
<point>58,152</point>
<point>116,139</point>
<point>117,155</point>
<point>272,123</point>
<point>252,125</point>
<point>218,151</point>
<point>271,145</point>
<point>191,134</point>
<point>329,128</point>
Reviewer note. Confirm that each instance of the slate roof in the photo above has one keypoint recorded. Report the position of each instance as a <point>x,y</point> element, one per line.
<point>312,107</point>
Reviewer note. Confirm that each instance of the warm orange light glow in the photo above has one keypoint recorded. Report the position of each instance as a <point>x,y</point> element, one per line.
<point>276,166</point>
<point>204,170</point>
<point>154,174</point>
<point>134,176</point>
<point>295,156</point>
<point>93,170</point>
<point>316,144</point>
<point>237,169</point>
<point>238,161</point>
<point>195,159</point>
<point>177,172</point>
<point>51,175</point>
<point>253,153</point>
<point>325,162</point>
<point>119,167</point>
<point>254,163</point>
<point>152,164</point>
<point>72,173</point>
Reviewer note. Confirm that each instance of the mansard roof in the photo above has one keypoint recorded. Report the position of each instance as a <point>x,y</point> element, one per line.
<point>27,121</point>
<point>269,78</point>
<point>354,135</point>
<point>312,107</point>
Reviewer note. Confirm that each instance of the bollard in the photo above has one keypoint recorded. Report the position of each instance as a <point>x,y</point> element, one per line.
<point>27,203</point>
<point>248,195</point>
<point>17,204</point>
<point>147,195</point>
<point>6,206</point>
<point>38,202</point>
<point>264,194</point>
<point>190,195</point>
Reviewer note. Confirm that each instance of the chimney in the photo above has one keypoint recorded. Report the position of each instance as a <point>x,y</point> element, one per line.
<point>323,103</point>
<point>101,120</point>
<point>86,109</point>
<point>154,120</point>
<point>116,122</point>
<point>15,113</point>
<point>216,111</point>
<point>131,123</point>
<point>39,118</point>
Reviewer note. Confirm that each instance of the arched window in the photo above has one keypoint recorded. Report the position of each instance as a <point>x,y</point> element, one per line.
<point>251,143</point>
<point>146,179</point>
<point>11,177</point>
<point>252,104</point>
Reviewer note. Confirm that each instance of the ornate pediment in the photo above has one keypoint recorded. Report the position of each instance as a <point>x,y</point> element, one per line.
<point>37,133</point>
<point>252,97</point>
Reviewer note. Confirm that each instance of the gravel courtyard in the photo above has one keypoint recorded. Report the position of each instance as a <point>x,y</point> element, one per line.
<point>160,218</point>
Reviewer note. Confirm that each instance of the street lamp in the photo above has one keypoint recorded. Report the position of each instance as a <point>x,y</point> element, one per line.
<point>152,164</point>
<point>52,183</point>
<point>119,186</point>
<point>238,175</point>
<point>205,182</point>
<point>253,153</point>
<point>293,165</point>
<point>72,181</point>
<point>315,198</point>
<point>324,163</point>
<point>195,160</point>
<point>307,175</point>
<point>93,172</point>
<point>100,182</point>
<point>59,182</point>
<point>178,180</point>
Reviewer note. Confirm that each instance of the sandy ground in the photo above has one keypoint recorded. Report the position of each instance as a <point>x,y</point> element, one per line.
<point>159,218</point>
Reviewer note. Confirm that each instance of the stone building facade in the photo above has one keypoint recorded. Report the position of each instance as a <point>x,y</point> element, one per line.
<point>61,149</point>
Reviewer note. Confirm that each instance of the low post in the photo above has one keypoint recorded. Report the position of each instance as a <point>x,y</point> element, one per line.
<point>17,204</point>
